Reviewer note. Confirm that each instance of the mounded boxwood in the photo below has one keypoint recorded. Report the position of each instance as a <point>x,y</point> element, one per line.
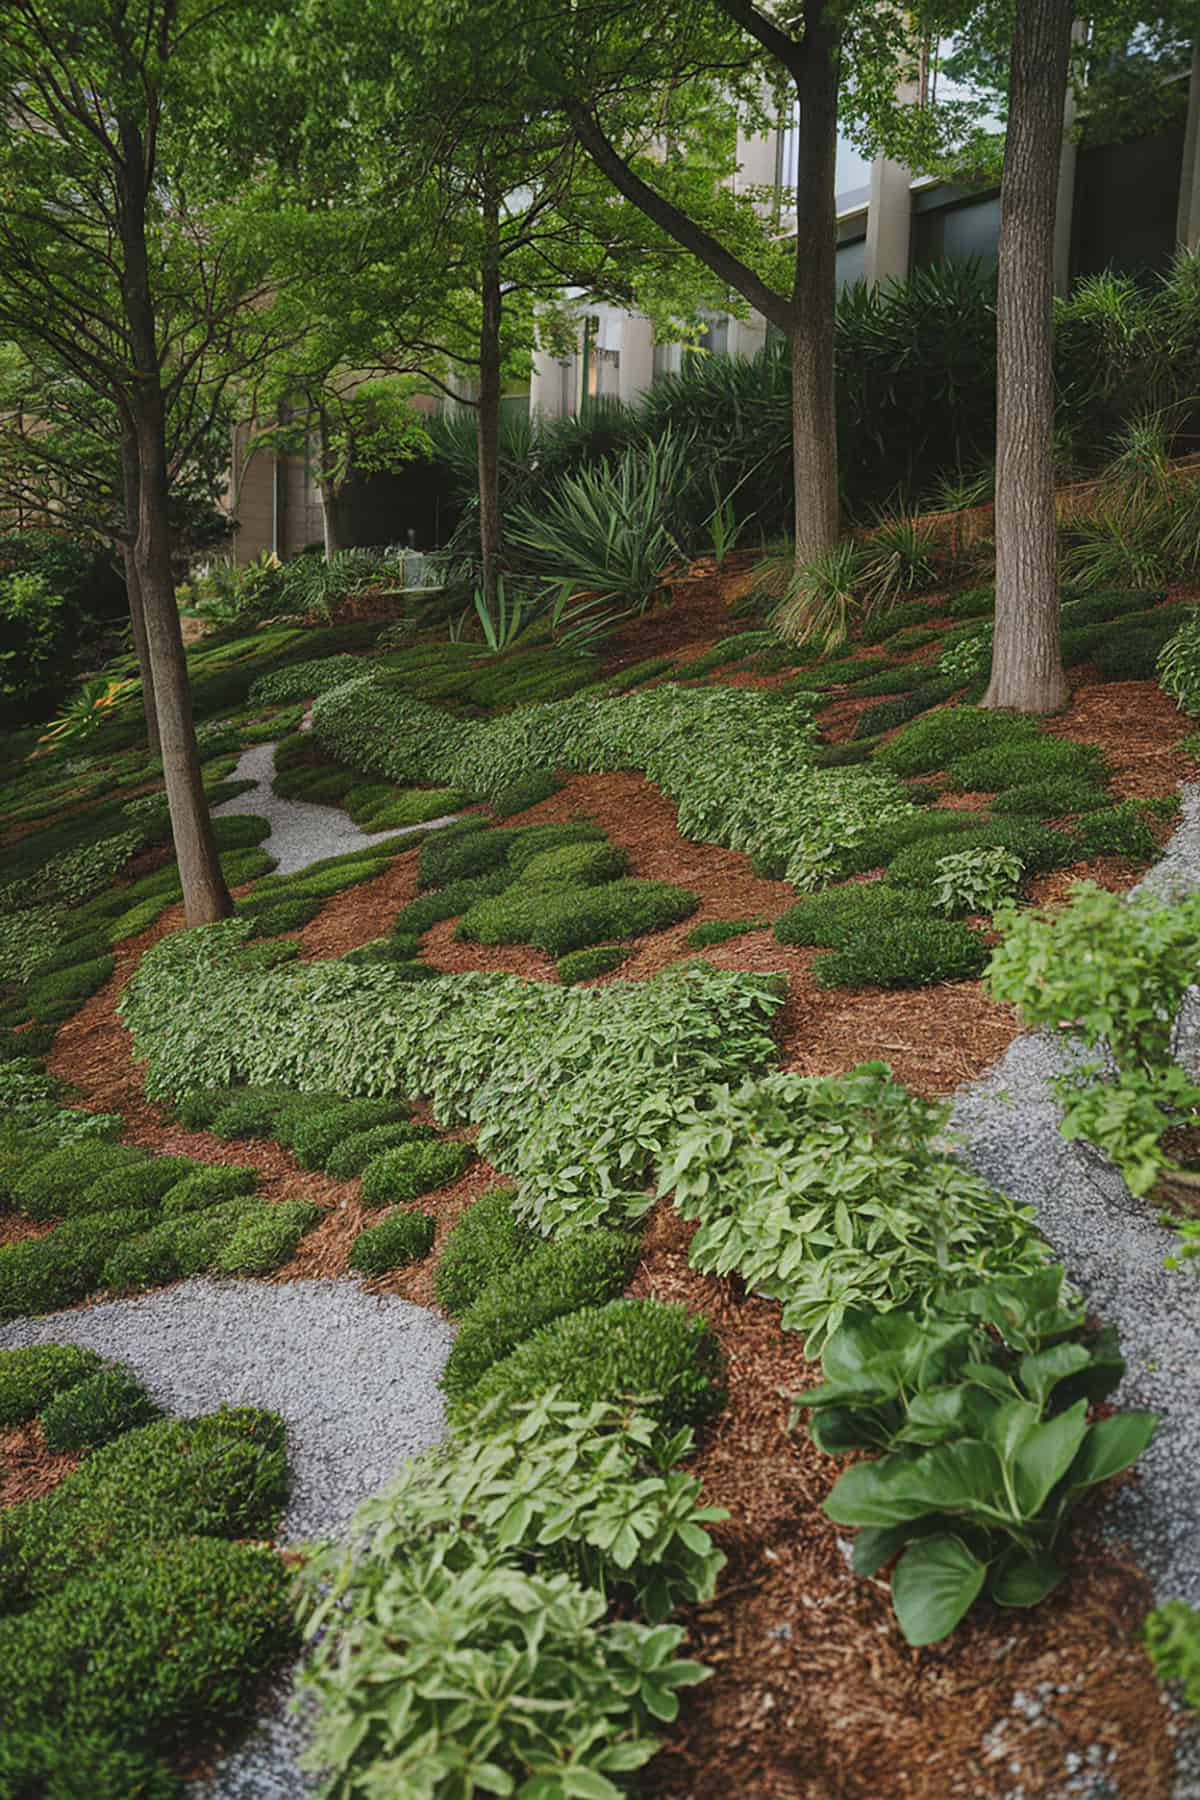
<point>1039,847</point>
<point>224,1475</point>
<point>578,917</point>
<point>935,741</point>
<point>163,1639</point>
<point>57,1185</point>
<point>1006,765</point>
<point>136,1184</point>
<point>840,915</point>
<point>31,1377</point>
<point>719,931</point>
<point>1054,797</point>
<point>190,1244</point>
<point>97,1409</point>
<point>283,915</point>
<point>248,1114</point>
<point>265,1237</point>
<point>313,1140</point>
<point>535,840</point>
<point>449,901</point>
<point>575,865</point>
<point>52,998</point>
<point>525,792</point>
<point>586,965</point>
<point>41,1275</point>
<point>485,1243</point>
<point>240,831</point>
<point>453,856</point>
<point>880,846</point>
<point>403,1238</point>
<point>1116,831</point>
<point>205,1187</point>
<point>585,1270</point>
<point>665,1355</point>
<point>413,1169</point>
<point>1130,651</point>
<point>905,953</point>
<point>69,1765</point>
<point>350,1155</point>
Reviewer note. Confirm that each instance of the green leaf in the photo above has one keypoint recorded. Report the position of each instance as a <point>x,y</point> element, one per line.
<point>936,1582</point>
<point>1110,1446</point>
<point>1023,1578</point>
<point>877,1545</point>
<point>1046,1455</point>
<point>1041,1374</point>
<point>589,1784</point>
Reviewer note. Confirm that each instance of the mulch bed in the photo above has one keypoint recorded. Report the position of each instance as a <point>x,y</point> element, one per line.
<point>27,1468</point>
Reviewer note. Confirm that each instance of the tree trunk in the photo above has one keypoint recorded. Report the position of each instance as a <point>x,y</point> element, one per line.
<point>487,418</point>
<point>814,421</point>
<point>1027,671</point>
<point>205,895</point>
<point>327,488</point>
<point>137,619</point>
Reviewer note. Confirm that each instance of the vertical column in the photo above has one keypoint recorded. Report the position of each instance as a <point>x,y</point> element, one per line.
<point>1187,229</point>
<point>1064,212</point>
<point>637,357</point>
<point>889,222</point>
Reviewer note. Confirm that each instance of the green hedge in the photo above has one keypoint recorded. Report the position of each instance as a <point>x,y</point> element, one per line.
<point>96,1410</point>
<point>586,965</point>
<point>486,1243</point>
<point>843,915</point>
<point>403,1238</point>
<point>905,953</point>
<point>32,1377</point>
<point>41,1275</point>
<point>412,1169</point>
<point>936,741</point>
<point>558,921</point>
<point>58,1184</point>
<point>350,1155</point>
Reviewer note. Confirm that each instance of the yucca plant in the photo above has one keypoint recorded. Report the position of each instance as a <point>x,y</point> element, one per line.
<point>502,626</point>
<point>897,558</point>
<point>821,597</point>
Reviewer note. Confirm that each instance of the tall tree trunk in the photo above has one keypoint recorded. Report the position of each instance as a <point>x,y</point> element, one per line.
<point>1027,671</point>
<point>205,895</point>
<point>133,589</point>
<point>814,421</point>
<point>487,417</point>
<point>327,488</point>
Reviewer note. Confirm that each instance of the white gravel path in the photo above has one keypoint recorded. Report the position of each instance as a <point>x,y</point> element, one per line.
<point>302,833</point>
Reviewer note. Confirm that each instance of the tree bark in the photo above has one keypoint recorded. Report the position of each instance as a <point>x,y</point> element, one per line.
<point>814,295</point>
<point>133,589</point>
<point>487,416</point>
<point>1027,671</point>
<point>205,895</point>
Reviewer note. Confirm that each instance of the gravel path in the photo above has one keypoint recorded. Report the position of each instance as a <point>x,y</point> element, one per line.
<point>354,1377</point>
<point>302,833</point>
<point>1113,1248</point>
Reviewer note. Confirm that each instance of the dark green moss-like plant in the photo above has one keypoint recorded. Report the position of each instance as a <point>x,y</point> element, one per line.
<point>458,855</point>
<point>574,865</point>
<point>575,918</point>
<point>96,1410</point>
<point>535,840</point>
<point>166,1638</point>
<point>208,1187</point>
<point>403,1238</point>
<point>250,1113</point>
<point>413,1169</point>
<point>841,915</point>
<point>1055,797</point>
<point>52,998</point>
<point>31,1377</point>
<point>485,1243</point>
<point>1007,765</point>
<point>449,901</point>
<point>906,953</point>
<point>585,1270</point>
<point>539,785</point>
<point>935,741</point>
<point>886,841</point>
<point>57,1185</point>
<point>661,1353</point>
<point>224,1475</point>
<point>719,931</point>
<point>586,965</point>
<point>1116,831</point>
<point>313,1140</point>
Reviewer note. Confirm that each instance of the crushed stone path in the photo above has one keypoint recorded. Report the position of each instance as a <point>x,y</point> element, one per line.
<point>1114,1248</point>
<point>354,1377</point>
<point>302,833</point>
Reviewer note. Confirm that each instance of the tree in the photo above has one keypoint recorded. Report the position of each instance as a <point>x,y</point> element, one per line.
<point>1027,669</point>
<point>106,269</point>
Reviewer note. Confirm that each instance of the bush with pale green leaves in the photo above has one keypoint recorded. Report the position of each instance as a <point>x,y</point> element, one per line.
<point>976,881</point>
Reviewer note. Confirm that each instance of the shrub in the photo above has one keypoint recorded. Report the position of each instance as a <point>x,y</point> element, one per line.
<point>587,965</point>
<point>207,1187</point>
<point>971,603</point>
<point>240,831</point>
<point>72,1765</point>
<point>457,855</point>
<point>933,743</point>
<point>664,1355</point>
<point>52,998</point>
<point>1116,831</point>
<point>96,1410</point>
<point>281,915</point>
<point>404,1237</point>
<point>32,1377</point>
<point>1112,973</point>
<point>1054,797</point>
<point>577,918</point>
<point>449,901</point>
<point>1130,651</point>
<point>719,931</point>
<point>834,1221</point>
<point>413,1169</point>
<point>575,865</point>
<point>265,1237</point>
<point>1039,847</point>
<point>560,1278</point>
<point>56,1185</point>
<point>908,953</point>
<point>1173,1643</point>
<point>976,881</point>
<point>350,1155</point>
<point>842,915</point>
<point>999,766</point>
<point>525,792</point>
<point>486,1243</point>
<point>164,1638</point>
<point>136,1184</point>
<point>40,1275</point>
<point>224,1475</point>
<point>249,1114</point>
<point>880,846</point>
<point>189,1244</point>
<point>1178,666</point>
<point>314,1139</point>
<point>304,680</point>
<point>197,1110</point>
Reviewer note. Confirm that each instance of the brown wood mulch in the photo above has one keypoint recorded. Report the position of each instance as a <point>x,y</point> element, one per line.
<point>27,1468</point>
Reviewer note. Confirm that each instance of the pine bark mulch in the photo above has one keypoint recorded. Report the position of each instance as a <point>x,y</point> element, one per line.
<point>27,1468</point>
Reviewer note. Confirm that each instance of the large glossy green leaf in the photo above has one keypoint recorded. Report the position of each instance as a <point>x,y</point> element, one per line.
<point>950,1477</point>
<point>836,1429</point>
<point>1046,1455</point>
<point>1024,1579</point>
<point>878,1544</point>
<point>1110,1446</point>
<point>1041,1374</point>
<point>935,1583</point>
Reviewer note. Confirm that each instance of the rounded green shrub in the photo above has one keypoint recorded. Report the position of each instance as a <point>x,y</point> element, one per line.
<point>313,1141</point>
<point>163,1639</point>
<point>1054,797</point>
<point>585,1270</point>
<point>97,1409</point>
<point>906,953</point>
<point>999,766</point>
<point>1116,831</point>
<point>451,856</point>
<point>840,915</point>
<point>403,1238</point>
<point>586,965</point>
<point>284,915</point>
<point>240,831</point>
<point>197,1110</point>
<point>558,921</point>
<point>880,846</point>
<point>33,1376</point>
<point>265,1237</point>
<point>206,1187</point>
<point>935,741</point>
<point>223,1475</point>
<point>661,1353</point>
<point>719,931</point>
<point>413,1169</point>
<point>137,1184</point>
<point>484,1244</point>
<point>52,998</point>
<point>535,840</point>
<point>525,792</point>
<point>971,603</point>
<point>1039,847</point>
<point>41,1275</point>
<point>350,1155</point>
<point>249,1114</point>
<point>449,901</point>
<point>575,865</point>
<point>56,1184</point>
<point>76,1765</point>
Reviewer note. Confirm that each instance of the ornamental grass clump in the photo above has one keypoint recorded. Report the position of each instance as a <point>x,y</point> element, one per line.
<point>834,1194</point>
